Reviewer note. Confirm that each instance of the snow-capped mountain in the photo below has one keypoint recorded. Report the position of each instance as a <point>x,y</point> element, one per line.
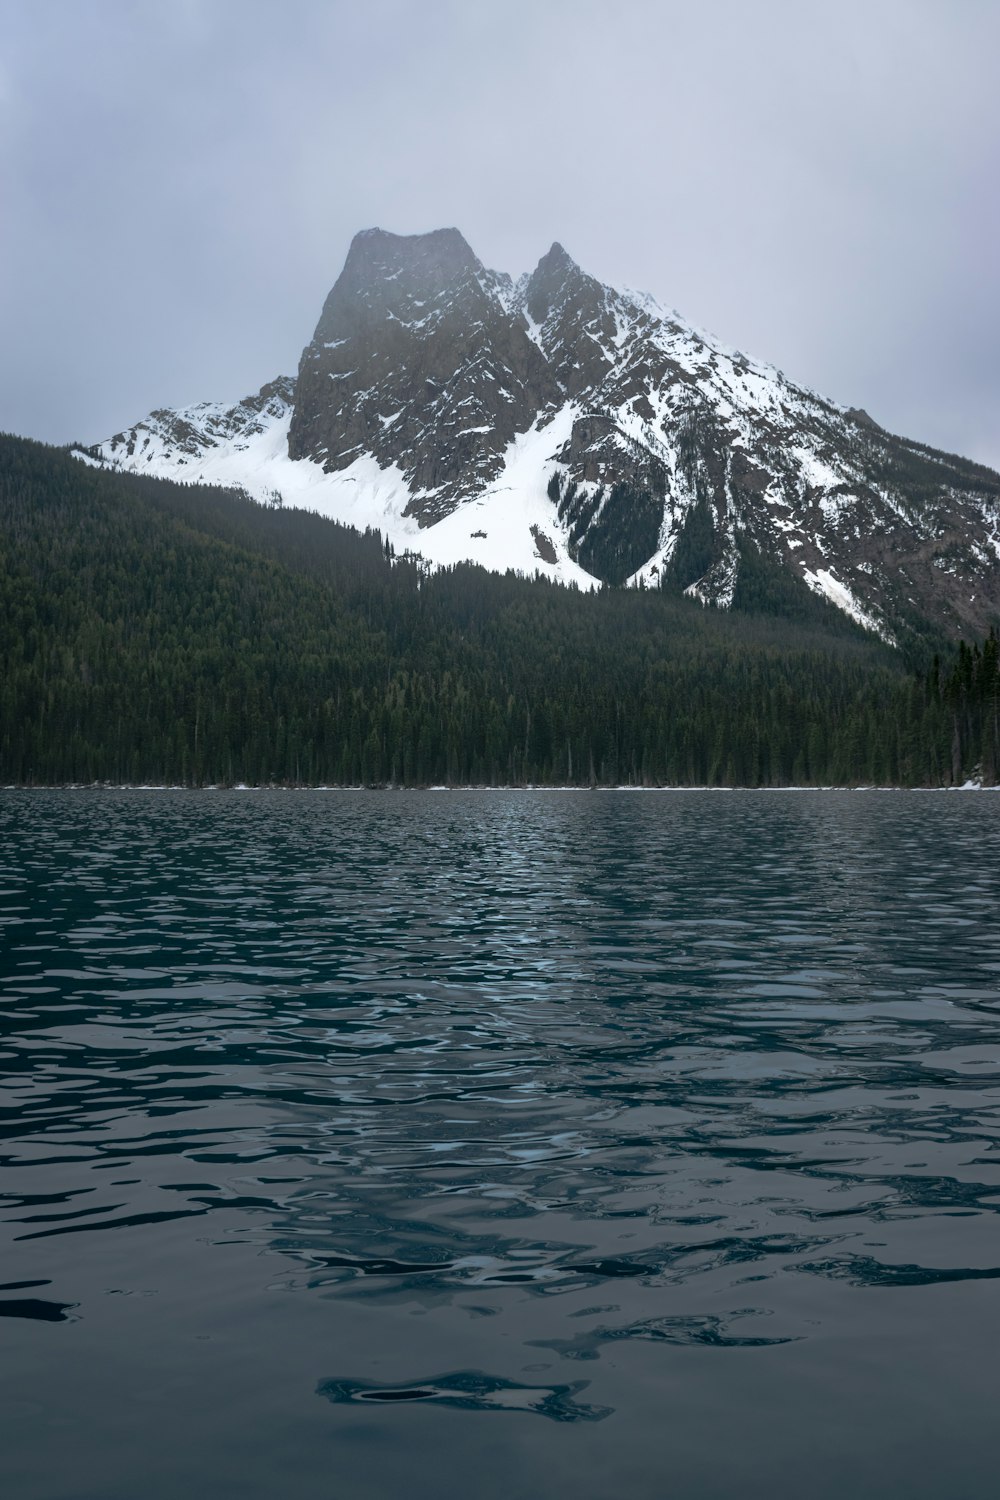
<point>556,425</point>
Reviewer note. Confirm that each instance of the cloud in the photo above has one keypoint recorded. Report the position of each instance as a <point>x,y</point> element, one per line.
<point>816,185</point>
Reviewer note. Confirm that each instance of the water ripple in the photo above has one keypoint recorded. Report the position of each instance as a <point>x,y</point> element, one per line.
<point>698,1073</point>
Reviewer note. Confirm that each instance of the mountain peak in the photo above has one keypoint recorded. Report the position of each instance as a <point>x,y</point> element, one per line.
<point>557,256</point>
<point>548,280</point>
<point>384,272</point>
<point>444,250</point>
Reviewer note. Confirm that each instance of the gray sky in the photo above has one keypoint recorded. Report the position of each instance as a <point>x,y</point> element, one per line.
<point>816,183</point>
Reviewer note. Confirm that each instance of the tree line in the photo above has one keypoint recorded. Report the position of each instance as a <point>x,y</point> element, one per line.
<point>155,632</point>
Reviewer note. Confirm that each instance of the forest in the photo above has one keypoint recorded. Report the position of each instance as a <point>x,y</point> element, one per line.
<point>157,633</point>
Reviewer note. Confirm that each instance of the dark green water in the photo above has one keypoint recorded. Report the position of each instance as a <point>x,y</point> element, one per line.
<point>499,1145</point>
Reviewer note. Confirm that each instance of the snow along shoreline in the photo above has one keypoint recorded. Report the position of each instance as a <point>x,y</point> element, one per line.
<point>109,786</point>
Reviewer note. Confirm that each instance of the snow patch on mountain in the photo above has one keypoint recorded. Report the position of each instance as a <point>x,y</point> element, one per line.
<point>499,529</point>
<point>823,582</point>
<point>508,525</point>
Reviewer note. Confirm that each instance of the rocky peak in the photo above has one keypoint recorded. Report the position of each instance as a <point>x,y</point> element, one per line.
<point>394,275</point>
<point>575,319</point>
<point>550,282</point>
<point>421,360</point>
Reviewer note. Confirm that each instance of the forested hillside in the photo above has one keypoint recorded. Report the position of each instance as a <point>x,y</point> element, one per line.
<point>153,632</point>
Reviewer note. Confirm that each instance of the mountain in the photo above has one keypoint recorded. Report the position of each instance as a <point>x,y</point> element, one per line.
<point>554,424</point>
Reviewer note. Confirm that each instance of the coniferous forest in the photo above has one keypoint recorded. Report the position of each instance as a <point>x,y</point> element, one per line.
<point>153,632</point>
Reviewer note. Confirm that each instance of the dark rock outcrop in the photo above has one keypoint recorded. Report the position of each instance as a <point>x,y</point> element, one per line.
<point>420,360</point>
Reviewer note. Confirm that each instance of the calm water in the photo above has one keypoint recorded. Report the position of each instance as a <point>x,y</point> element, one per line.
<point>510,1145</point>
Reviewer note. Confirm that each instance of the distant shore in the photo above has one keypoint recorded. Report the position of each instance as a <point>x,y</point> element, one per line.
<point>107,786</point>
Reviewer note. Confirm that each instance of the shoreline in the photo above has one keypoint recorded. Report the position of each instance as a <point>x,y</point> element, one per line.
<point>107,786</point>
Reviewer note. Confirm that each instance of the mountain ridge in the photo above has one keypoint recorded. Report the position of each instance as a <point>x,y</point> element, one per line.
<point>558,425</point>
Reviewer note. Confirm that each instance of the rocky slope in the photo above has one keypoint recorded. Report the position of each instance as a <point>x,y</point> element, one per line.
<point>555,424</point>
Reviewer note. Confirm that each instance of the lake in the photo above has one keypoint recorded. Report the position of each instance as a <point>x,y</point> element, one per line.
<point>519,1144</point>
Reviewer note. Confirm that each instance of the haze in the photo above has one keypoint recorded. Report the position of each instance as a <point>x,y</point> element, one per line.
<point>816,185</point>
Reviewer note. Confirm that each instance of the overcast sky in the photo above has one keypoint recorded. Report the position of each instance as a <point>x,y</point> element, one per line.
<point>816,183</point>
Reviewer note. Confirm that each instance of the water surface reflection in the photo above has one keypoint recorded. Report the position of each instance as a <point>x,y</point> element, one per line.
<point>415,1102</point>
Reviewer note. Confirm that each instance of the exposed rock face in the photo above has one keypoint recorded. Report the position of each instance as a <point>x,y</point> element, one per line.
<point>418,360</point>
<point>454,400</point>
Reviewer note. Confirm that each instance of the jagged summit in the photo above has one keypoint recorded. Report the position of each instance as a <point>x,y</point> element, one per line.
<point>442,243</point>
<point>438,255</point>
<point>385,273</point>
<point>561,425</point>
<point>418,362</point>
<point>555,278</point>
